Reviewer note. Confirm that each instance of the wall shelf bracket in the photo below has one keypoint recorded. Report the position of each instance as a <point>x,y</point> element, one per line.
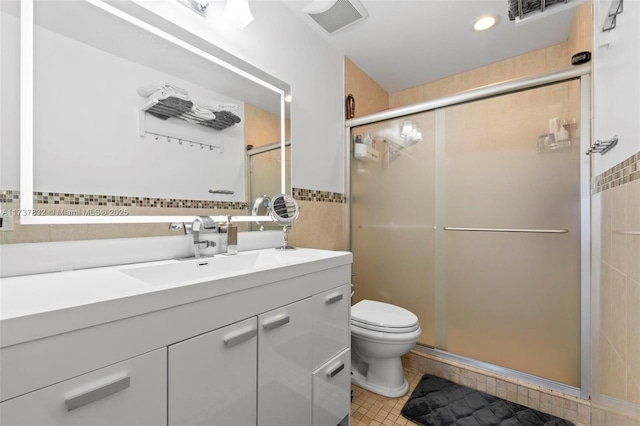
<point>615,10</point>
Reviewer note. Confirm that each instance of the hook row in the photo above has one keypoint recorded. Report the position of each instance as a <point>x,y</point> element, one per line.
<point>603,147</point>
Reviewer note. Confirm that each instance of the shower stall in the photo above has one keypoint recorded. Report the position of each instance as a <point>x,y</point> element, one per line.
<point>472,212</point>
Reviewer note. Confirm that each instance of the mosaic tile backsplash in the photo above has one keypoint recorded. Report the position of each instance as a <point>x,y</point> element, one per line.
<point>320,196</point>
<point>13,196</point>
<point>625,172</point>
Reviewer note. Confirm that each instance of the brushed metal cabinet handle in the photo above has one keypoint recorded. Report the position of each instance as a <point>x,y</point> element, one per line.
<point>239,337</point>
<point>275,323</point>
<point>335,371</point>
<point>333,299</point>
<point>98,393</point>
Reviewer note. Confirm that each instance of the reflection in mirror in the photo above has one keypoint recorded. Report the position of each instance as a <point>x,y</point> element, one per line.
<point>263,166</point>
<point>261,208</point>
<point>125,119</point>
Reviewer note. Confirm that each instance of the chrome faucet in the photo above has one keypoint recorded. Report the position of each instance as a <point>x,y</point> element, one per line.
<point>206,224</point>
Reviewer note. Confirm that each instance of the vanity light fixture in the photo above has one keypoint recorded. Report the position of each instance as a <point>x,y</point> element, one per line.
<point>484,22</point>
<point>198,6</point>
<point>237,12</point>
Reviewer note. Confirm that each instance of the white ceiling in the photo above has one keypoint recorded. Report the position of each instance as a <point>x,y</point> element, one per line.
<point>405,43</point>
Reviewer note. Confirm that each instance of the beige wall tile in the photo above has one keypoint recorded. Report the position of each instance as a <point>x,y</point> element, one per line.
<point>613,377</point>
<point>320,225</point>
<point>618,228</point>
<point>605,227</point>
<point>633,226</point>
<point>633,333</point>
<point>531,63</point>
<point>369,96</point>
<point>619,315</point>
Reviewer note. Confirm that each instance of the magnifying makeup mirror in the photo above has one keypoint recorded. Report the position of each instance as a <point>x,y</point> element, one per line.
<point>284,211</point>
<point>261,207</point>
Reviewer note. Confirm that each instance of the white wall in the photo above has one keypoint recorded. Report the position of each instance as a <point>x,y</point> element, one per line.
<point>283,46</point>
<point>616,71</point>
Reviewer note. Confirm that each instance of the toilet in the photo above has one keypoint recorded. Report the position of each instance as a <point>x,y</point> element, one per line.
<point>380,334</point>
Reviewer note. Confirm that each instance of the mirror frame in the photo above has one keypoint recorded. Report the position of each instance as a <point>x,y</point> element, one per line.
<point>198,46</point>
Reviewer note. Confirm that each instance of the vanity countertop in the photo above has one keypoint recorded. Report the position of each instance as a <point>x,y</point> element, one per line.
<point>42,305</point>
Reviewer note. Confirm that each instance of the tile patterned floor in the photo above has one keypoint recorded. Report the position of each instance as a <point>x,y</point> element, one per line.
<point>370,409</point>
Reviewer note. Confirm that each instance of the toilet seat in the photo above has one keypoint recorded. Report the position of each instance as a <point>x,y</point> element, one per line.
<point>383,317</point>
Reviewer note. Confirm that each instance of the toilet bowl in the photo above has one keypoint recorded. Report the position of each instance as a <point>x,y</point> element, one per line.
<point>380,334</point>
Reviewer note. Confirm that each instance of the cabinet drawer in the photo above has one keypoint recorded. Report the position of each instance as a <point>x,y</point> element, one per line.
<point>330,323</point>
<point>332,390</point>
<point>212,377</point>
<point>132,392</point>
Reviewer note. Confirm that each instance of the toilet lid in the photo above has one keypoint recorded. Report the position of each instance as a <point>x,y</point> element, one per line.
<point>382,315</point>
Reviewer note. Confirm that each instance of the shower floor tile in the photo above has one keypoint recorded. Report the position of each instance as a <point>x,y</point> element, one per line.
<point>370,409</point>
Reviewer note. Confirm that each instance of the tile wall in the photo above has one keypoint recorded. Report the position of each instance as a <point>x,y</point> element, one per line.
<point>539,61</point>
<point>616,334</point>
<point>323,220</point>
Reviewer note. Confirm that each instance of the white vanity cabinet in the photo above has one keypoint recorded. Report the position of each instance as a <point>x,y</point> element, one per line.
<point>131,392</point>
<point>212,377</point>
<point>268,348</point>
<point>284,365</point>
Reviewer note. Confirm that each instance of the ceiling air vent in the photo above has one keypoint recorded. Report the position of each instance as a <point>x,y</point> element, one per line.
<point>335,15</point>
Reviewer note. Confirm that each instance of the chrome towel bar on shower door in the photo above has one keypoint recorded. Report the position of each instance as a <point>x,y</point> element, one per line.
<point>518,230</point>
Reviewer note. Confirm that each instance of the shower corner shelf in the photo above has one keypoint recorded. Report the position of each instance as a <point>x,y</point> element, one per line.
<point>365,153</point>
<point>223,120</point>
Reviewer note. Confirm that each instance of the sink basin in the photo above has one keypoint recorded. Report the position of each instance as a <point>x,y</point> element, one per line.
<point>209,267</point>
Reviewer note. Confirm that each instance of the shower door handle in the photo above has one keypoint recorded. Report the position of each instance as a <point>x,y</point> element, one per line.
<point>516,230</point>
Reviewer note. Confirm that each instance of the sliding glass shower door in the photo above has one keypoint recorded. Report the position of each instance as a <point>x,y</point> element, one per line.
<point>511,225</point>
<point>476,229</point>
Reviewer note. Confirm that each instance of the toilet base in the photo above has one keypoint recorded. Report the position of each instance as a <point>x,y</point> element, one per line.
<point>361,381</point>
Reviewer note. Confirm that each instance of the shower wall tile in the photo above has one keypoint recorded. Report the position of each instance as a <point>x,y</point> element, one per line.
<point>633,341</point>
<point>369,96</point>
<point>321,225</point>
<point>548,59</point>
<point>531,63</point>
<point>616,358</point>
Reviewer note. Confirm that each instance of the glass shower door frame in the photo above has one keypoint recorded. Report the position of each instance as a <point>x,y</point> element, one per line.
<point>583,74</point>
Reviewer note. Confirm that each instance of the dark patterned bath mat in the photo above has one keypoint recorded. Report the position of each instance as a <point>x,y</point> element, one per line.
<point>440,402</point>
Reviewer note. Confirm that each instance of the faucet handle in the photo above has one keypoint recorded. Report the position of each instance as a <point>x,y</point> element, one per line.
<point>207,222</point>
<point>174,226</point>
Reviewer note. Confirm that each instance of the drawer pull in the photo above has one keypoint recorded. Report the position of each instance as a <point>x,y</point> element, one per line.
<point>333,299</point>
<point>98,393</point>
<point>335,371</point>
<point>239,337</point>
<point>270,325</point>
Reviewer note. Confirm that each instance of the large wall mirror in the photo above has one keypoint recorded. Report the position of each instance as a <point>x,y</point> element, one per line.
<point>128,118</point>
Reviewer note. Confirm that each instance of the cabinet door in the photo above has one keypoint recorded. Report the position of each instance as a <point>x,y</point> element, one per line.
<point>330,323</point>
<point>213,378</point>
<point>132,392</point>
<point>284,365</point>
<point>332,390</point>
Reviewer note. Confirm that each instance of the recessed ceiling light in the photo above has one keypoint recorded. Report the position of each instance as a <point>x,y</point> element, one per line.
<point>485,22</point>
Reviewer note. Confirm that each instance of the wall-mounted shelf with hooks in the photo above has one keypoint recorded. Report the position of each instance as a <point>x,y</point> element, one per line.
<point>161,108</point>
<point>165,109</point>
